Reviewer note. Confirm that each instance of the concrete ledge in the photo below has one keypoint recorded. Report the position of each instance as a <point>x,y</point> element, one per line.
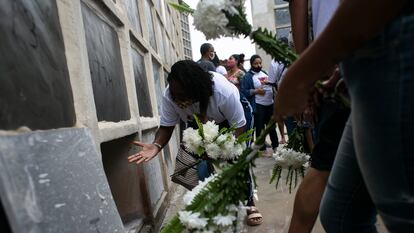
<point>114,130</point>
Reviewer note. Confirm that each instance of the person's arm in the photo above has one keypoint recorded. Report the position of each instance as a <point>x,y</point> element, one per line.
<point>354,22</point>
<point>298,10</point>
<point>247,87</point>
<point>272,72</point>
<point>239,131</point>
<point>150,150</point>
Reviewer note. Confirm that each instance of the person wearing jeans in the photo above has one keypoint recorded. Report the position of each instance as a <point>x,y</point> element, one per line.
<point>257,89</point>
<point>375,152</point>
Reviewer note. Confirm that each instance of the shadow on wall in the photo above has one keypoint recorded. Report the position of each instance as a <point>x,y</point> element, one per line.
<point>127,181</point>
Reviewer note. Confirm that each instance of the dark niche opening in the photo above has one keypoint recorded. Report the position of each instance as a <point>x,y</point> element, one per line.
<point>105,64</point>
<point>127,181</point>
<point>35,89</point>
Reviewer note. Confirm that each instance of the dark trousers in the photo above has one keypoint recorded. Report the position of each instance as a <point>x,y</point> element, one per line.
<point>261,118</point>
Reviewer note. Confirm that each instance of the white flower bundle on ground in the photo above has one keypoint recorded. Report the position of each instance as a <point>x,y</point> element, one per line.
<point>217,145</point>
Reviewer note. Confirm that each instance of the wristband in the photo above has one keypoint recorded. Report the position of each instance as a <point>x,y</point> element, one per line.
<point>157,145</point>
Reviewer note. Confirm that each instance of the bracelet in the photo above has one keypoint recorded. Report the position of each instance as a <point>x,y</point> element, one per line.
<point>157,145</point>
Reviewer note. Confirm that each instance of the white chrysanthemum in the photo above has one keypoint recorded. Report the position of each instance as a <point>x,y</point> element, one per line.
<point>230,6</point>
<point>224,220</point>
<point>204,231</point>
<point>286,158</point>
<point>189,196</point>
<point>221,139</point>
<point>228,148</point>
<point>213,150</point>
<point>210,19</point>
<point>232,208</point>
<point>192,139</point>
<point>238,149</point>
<point>210,130</point>
<point>192,220</point>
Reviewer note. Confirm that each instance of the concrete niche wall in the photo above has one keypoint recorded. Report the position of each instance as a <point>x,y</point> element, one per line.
<point>35,89</point>
<point>105,65</point>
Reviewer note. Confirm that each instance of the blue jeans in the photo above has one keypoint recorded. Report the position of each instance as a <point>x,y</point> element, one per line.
<point>261,118</point>
<point>204,170</point>
<point>290,124</point>
<point>376,152</point>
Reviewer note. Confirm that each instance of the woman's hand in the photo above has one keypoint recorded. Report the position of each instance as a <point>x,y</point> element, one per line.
<point>293,95</point>
<point>148,152</point>
<point>259,91</point>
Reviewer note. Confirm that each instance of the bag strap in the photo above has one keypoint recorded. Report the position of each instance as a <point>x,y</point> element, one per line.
<point>186,166</point>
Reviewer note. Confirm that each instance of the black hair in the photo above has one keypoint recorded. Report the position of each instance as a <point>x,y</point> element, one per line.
<point>254,57</point>
<point>216,60</point>
<point>205,47</point>
<point>237,58</point>
<point>195,83</point>
<point>284,39</point>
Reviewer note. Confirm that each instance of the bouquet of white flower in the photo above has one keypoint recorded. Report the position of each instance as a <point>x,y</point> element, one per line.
<point>198,221</point>
<point>216,145</point>
<point>292,158</point>
<point>217,18</point>
<point>215,204</point>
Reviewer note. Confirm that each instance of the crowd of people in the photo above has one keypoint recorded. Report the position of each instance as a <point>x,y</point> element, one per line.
<point>361,160</point>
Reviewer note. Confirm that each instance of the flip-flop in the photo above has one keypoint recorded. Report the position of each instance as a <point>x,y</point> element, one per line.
<point>254,218</point>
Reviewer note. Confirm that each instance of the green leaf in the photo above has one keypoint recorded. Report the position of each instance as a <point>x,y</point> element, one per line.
<point>182,7</point>
<point>274,47</point>
<point>246,136</point>
<point>200,126</point>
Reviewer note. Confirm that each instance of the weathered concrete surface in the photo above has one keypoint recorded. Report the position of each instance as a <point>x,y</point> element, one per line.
<point>53,181</point>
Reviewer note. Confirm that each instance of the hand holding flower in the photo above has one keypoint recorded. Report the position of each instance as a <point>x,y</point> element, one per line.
<point>259,91</point>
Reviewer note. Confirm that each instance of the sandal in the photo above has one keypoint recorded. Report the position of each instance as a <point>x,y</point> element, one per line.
<point>254,218</point>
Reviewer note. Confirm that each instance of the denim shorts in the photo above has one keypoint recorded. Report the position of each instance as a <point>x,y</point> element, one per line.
<point>375,158</point>
<point>328,130</point>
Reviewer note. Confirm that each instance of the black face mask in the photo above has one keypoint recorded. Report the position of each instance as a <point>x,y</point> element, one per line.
<point>256,69</point>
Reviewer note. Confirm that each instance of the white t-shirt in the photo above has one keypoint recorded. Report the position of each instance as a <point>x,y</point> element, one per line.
<point>275,71</point>
<point>322,11</point>
<point>221,70</point>
<point>267,98</point>
<point>224,105</point>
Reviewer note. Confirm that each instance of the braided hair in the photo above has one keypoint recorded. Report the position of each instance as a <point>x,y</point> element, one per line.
<point>188,81</point>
